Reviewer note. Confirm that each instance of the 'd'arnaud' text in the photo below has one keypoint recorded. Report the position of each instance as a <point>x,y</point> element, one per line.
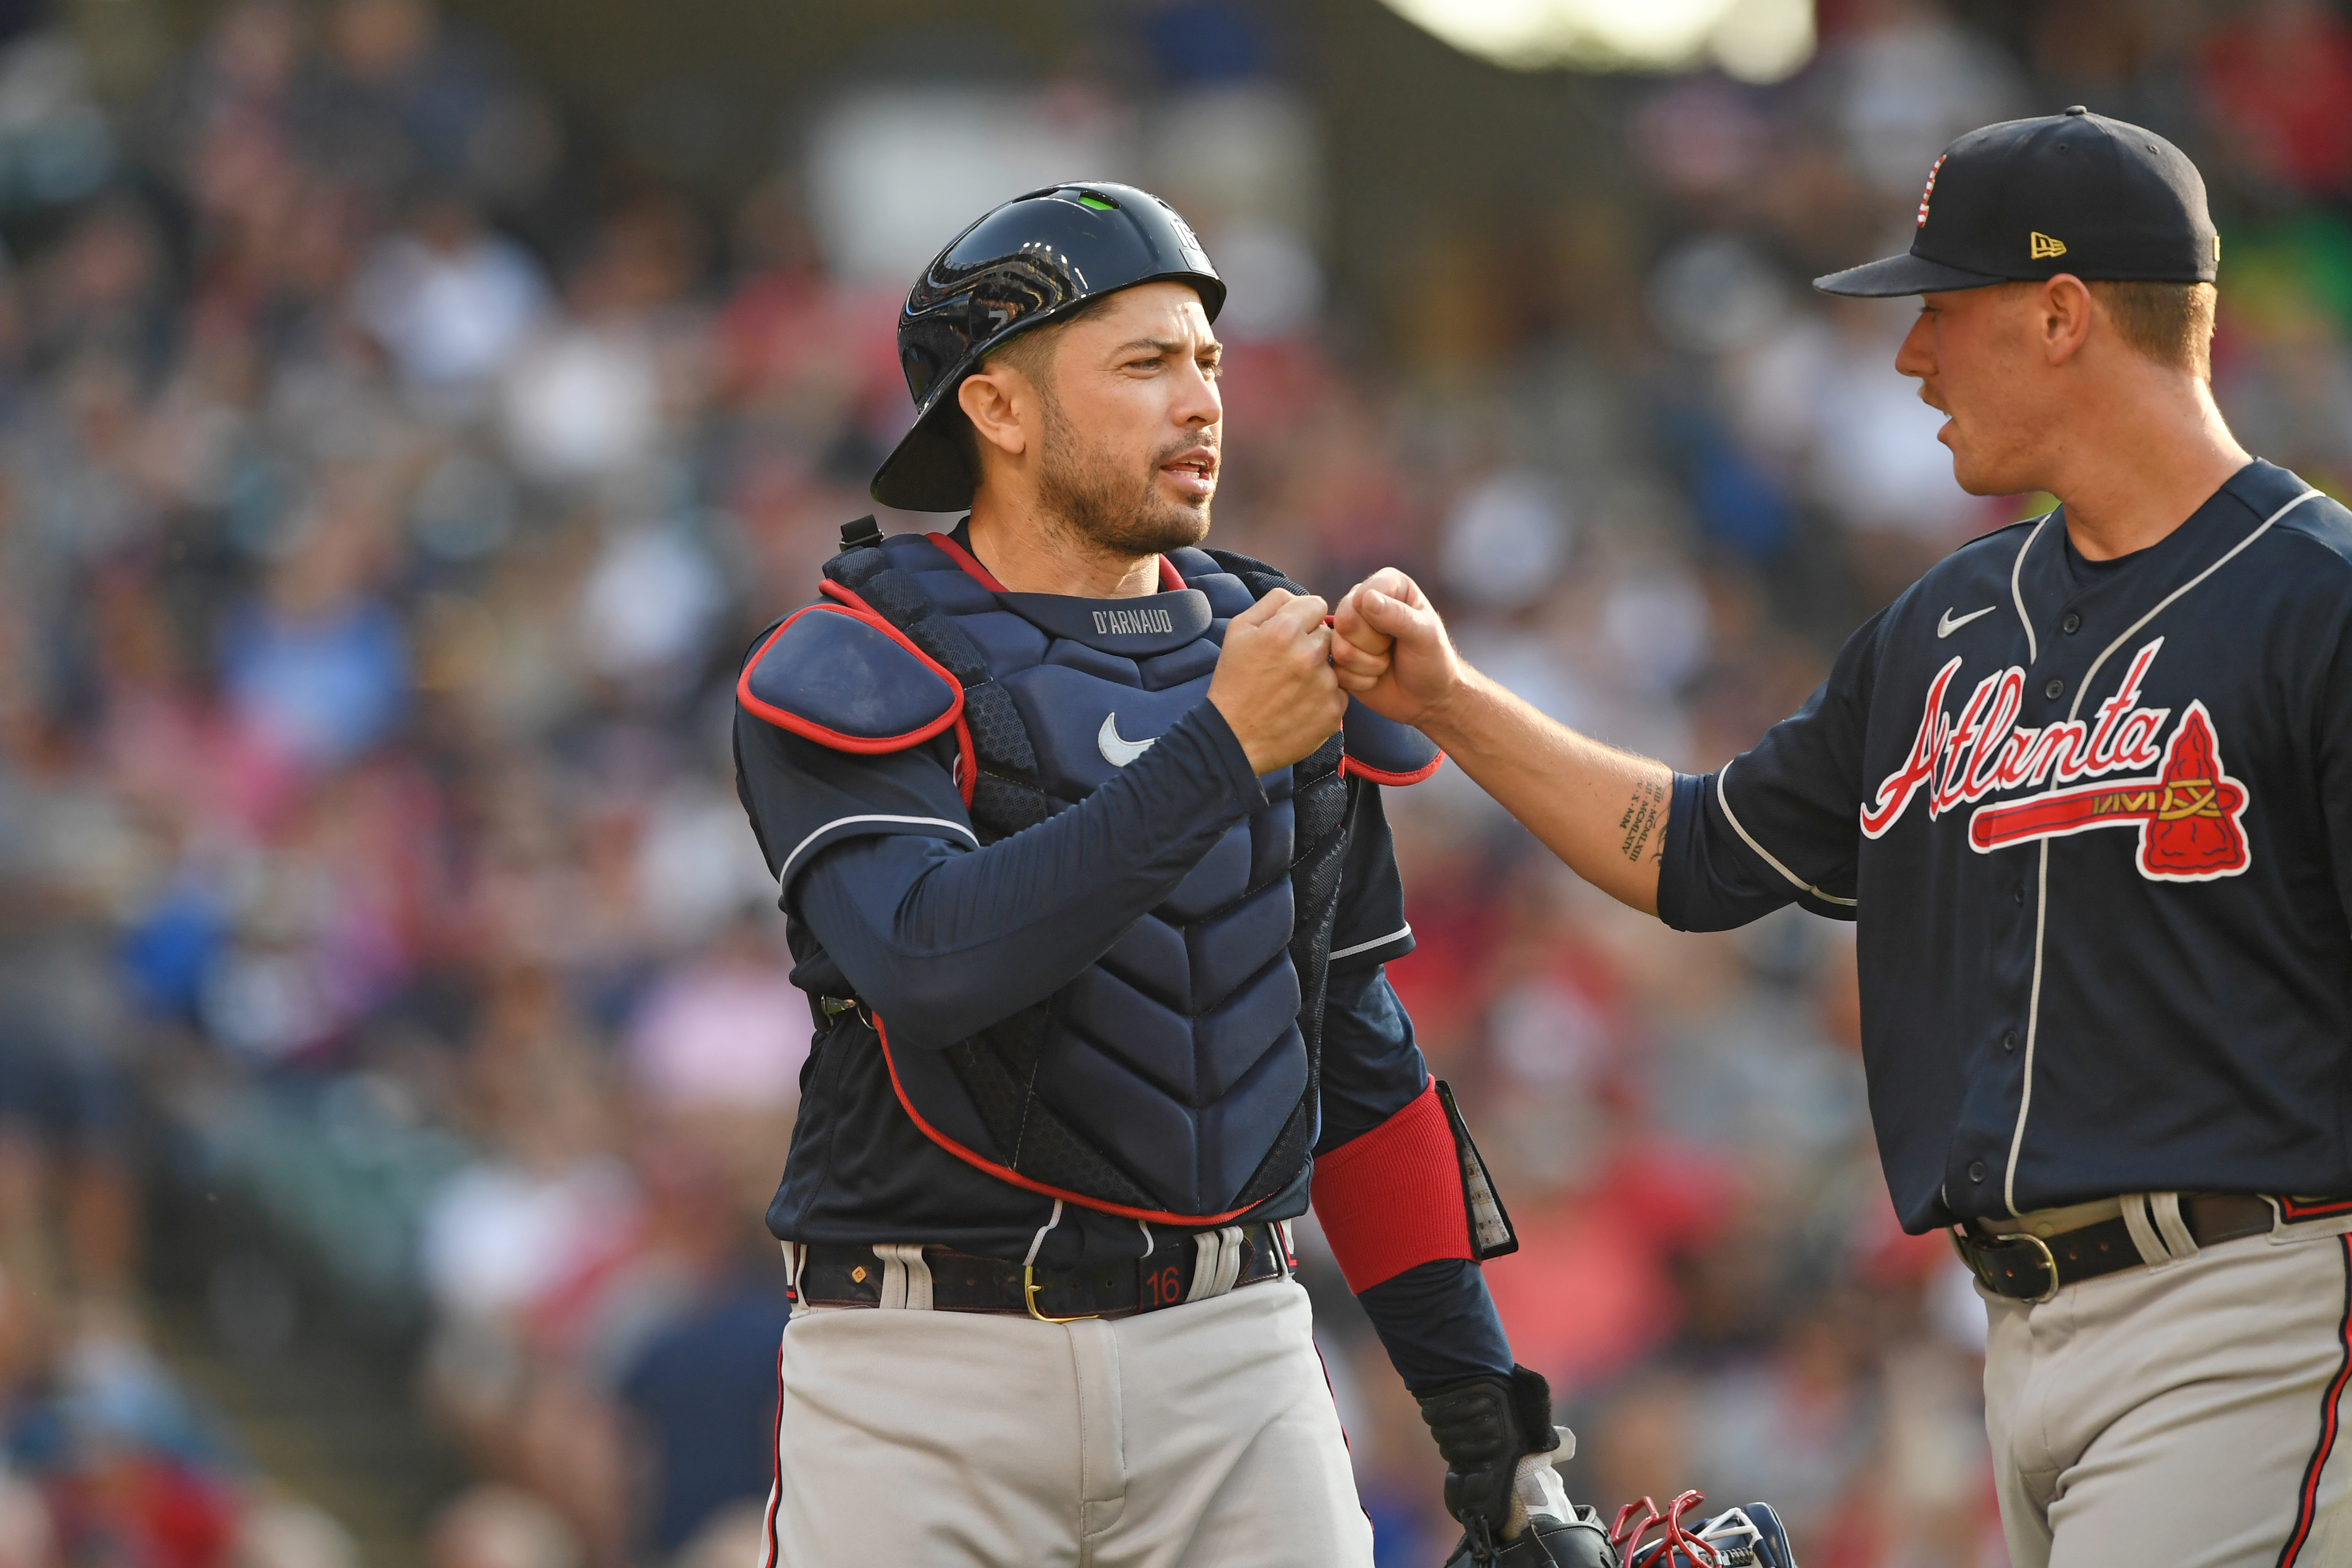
<point>1150,619</point>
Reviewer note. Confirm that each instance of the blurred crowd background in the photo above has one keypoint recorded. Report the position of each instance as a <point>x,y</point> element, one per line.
<point>408,415</point>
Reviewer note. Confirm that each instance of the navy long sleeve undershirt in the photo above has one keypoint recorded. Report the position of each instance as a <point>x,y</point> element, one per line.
<point>943,940</point>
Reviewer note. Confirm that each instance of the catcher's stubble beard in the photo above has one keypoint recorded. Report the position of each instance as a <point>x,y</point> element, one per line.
<point>1094,502</point>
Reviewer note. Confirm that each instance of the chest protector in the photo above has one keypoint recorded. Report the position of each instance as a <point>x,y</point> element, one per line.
<point>1176,1078</point>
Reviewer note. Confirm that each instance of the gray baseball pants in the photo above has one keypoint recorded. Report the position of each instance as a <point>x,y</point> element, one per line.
<point>1201,1435</point>
<point>2186,1414</point>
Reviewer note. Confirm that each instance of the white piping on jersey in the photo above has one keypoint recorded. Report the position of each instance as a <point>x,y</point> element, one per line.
<point>2041,900</point>
<point>1798,882</point>
<point>2032,1027</point>
<point>786,870</point>
<point>1396,935</point>
<point>2017,591</point>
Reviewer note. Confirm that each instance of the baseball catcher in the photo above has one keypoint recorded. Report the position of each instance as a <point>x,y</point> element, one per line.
<point>1087,881</point>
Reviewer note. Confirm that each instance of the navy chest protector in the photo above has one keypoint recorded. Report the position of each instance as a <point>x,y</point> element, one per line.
<point>1176,1079</point>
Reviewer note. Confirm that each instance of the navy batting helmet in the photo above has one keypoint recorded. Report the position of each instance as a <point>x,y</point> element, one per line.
<point>1030,262</point>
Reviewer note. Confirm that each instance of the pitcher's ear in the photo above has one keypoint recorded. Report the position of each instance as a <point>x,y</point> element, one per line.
<point>2067,311</point>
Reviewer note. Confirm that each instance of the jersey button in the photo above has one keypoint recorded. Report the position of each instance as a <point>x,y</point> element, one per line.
<point>2055,689</point>
<point>2009,1040</point>
<point>2070,624</point>
<point>1976,1170</point>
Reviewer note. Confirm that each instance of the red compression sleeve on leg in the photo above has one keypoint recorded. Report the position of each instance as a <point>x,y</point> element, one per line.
<point>1392,1198</point>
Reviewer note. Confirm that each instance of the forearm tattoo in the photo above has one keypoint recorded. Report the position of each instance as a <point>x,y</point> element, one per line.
<point>1645,815</point>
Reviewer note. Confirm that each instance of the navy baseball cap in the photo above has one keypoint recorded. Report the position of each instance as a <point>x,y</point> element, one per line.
<point>2029,199</point>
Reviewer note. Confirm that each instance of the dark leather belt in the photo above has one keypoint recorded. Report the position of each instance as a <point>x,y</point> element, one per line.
<point>853,1276</point>
<point>2028,1268</point>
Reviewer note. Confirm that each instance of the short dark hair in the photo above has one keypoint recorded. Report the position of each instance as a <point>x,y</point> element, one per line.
<point>2171,323</point>
<point>1031,354</point>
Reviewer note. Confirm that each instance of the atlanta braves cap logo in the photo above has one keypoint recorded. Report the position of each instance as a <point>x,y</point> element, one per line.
<point>1930,190</point>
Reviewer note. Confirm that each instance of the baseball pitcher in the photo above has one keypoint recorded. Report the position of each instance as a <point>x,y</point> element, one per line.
<point>2086,788</point>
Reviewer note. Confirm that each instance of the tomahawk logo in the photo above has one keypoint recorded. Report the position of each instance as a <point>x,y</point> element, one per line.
<point>2188,815</point>
<point>2188,810</point>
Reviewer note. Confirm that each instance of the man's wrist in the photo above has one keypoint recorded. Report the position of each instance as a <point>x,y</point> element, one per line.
<point>1225,746</point>
<point>1449,717</point>
<point>1224,721</point>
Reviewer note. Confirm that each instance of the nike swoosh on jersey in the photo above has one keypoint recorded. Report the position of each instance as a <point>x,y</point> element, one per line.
<point>1951,623</point>
<point>1117,750</point>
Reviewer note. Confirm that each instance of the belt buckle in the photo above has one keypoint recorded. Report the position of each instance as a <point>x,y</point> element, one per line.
<point>1961,1243</point>
<point>1029,1289</point>
<point>2049,1261</point>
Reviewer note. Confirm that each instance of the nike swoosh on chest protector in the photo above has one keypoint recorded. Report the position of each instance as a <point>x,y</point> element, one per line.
<point>1116,749</point>
<point>1951,623</point>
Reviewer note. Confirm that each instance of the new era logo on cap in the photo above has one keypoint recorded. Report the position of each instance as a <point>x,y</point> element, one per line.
<point>2128,203</point>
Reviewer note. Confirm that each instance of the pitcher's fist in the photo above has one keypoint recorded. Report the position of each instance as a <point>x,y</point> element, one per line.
<point>1392,650</point>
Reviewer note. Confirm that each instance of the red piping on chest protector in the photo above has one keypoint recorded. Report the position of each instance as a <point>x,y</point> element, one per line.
<point>1171,580</point>
<point>1007,1174</point>
<point>840,740</point>
<point>856,608</point>
<point>1352,768</point>
<point>969,561</point>
<point>1392,1197</point>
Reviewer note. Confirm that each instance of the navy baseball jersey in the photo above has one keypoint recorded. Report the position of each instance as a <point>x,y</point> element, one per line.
<point>2095,821</point>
